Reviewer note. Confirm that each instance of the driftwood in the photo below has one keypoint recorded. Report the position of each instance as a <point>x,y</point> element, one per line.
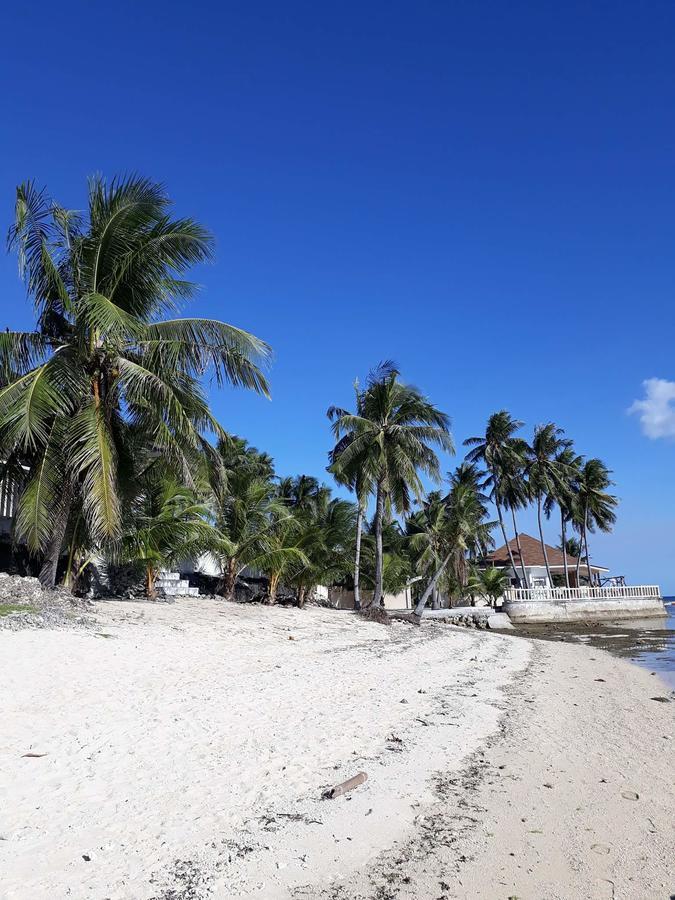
<point>345,787</point>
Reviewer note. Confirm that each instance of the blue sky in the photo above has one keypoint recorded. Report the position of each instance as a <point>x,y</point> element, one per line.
<point>483,192</point>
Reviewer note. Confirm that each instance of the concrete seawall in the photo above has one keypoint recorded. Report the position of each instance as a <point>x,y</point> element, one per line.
<point>528,612</point>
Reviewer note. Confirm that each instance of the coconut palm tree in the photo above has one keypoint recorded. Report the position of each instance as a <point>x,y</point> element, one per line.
<point>572,546</point>
<point>167,525</point>
<point>427,534</point>
<point>490,582</point>
<point>565,495</point>
<point>104,376</point>
<point>326,538</point>
<point>397,565</point>
<point>460,533</point>
<point>503,455</point>
<point>392,439</point>
<point>596,507</point>
<point>356,479</point>
<point>547,474</point>
<point>245,506</point>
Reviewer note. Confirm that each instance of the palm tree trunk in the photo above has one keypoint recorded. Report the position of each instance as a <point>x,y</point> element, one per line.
<point>53,554</point>
<point>506,540</point>
<point>520,549</point>
<point>581,544</point>
<point>431,587</point>
<point>357,557</point>
<point>302,592</point>
<point>588,558</point>
<point>541,538</point>
<point>563,535</point>
<point>70,577</point>
<point>150,582</point>
<point>379,555</point>
<point>274,584</point>
<point>229,579</point>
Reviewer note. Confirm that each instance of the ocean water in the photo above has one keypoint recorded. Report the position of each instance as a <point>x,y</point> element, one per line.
<point>649,643</point>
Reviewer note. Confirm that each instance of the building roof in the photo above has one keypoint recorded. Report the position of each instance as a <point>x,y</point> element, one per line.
<point>533,555</point>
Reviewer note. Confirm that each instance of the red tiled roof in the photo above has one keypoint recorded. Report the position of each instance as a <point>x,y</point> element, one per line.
<point>533,555</point>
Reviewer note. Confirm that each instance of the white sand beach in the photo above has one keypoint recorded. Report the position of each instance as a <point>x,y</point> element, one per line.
<point>180,751</point>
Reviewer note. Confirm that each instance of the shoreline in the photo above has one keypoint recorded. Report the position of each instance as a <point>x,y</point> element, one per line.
<point>464,734</point>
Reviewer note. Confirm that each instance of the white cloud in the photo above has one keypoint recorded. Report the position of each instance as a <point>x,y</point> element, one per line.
<point>657,410</point>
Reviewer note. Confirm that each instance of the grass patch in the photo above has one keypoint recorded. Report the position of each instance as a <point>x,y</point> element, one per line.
<point>6,609</point>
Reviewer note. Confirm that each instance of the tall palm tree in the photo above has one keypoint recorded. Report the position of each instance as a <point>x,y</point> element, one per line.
<point>596,507</point>
<point>565,494</point>
<point>547,474</point>
<point>103,375</point>
<point>392,439</point>
<point>516,496</point>
<point>502,453</point>
<point>355,477</point>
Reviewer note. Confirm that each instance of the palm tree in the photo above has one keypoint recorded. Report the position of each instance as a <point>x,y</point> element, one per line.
<point>490,582</point>
<point>397,565</point>
<point>565,494</point>
<point>596,507</point>
<point>502,454</point>
<point>516,496</point>
<point>547,475</point>
<point>571,546</point>
<point>326,539</point>
<point>245,506</point>
<point>460,533</point>
<point>355,478</point>
<point>167,524</point>
<point>427,534</point>
<point>392,440</point>
<point>103,376</point>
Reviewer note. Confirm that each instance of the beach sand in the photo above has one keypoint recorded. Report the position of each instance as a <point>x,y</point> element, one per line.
<point>186,748</point>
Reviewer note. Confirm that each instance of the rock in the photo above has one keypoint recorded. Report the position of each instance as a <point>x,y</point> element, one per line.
<point>601,849</point>
<point>630,795</point>
<point>499,622</point>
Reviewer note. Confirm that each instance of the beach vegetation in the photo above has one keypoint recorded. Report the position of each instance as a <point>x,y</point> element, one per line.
<point>111,370</point>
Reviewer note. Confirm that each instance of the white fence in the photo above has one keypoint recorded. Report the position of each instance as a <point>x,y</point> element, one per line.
<point>638,592</point>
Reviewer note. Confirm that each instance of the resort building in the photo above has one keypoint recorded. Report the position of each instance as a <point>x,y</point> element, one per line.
<point>534,564</point>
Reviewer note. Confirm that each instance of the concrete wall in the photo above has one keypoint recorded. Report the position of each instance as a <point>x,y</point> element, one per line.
<point>531,612</point>
<point>343,599</point>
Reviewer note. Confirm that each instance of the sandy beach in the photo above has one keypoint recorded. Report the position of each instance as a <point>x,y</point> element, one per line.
<point>181,751</point>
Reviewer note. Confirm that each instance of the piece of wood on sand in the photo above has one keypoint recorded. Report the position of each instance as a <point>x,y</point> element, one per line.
<point>345,787</point>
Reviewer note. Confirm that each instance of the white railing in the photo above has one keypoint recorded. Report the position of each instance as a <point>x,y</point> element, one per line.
<point>638,592</point>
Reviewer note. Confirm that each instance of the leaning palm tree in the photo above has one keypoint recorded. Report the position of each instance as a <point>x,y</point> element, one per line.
<point>502,453</point>
<point>461,533</point>
<point>595,507</point>
<point>392,441</point>
<point>103,376</point>
<point>547,473</point>
<point>427,530</point>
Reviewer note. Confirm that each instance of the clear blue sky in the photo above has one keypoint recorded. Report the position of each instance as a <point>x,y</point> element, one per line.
<point>484,192</point>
